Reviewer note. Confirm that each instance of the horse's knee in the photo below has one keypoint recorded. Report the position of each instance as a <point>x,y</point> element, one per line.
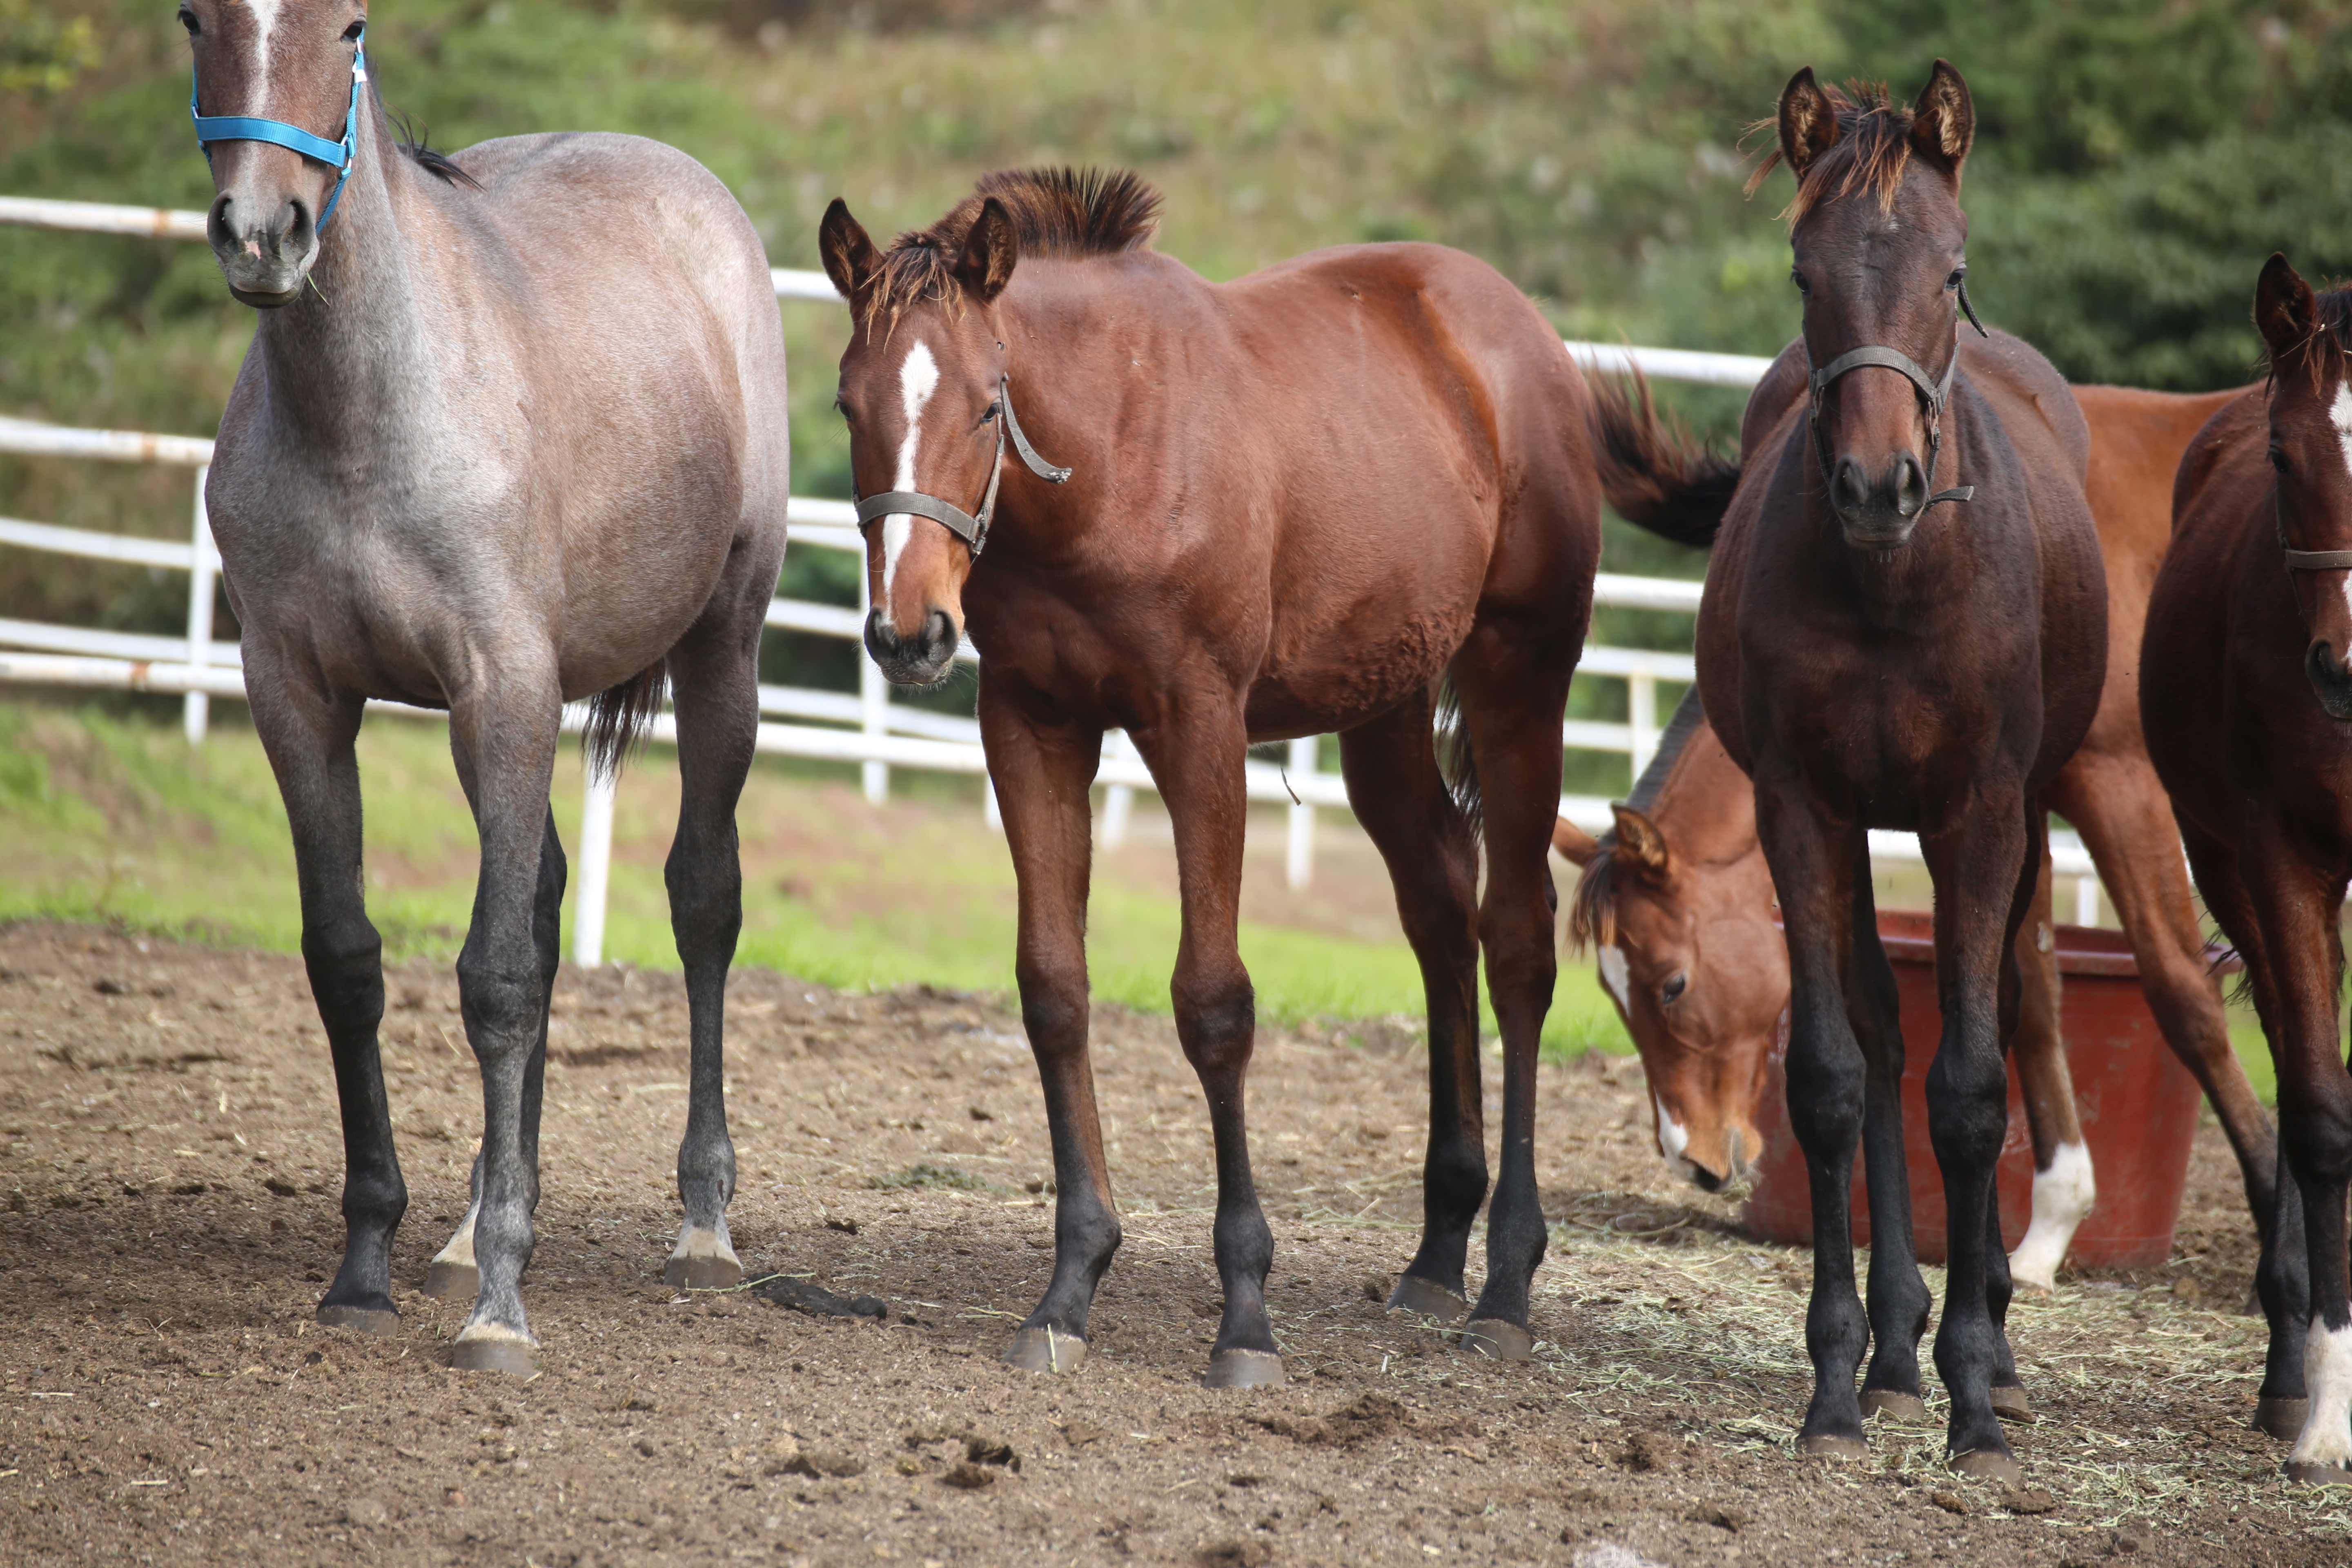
<point>1825,1095</point>
<point>502,1004</point>
<point>1053,1007</point>
<point>2315,1130</point>
<point>1967,1096</point>
<point>1217,1022</point>
<point>344,959</point>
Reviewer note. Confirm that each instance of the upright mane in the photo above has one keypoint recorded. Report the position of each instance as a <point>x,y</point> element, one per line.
<point>2333,313</point>
<point>1873,149</point>
<point>1066,212</point>
<point>1592,913</point>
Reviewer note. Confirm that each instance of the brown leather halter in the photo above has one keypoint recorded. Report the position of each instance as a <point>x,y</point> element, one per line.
<point>973,531</point>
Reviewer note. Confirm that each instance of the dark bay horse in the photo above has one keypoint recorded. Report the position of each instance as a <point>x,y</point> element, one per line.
<point>2248,705</point>
<point>1680,901</point>
<point>510,433</point>
<point>1879,649</point>
<point>1294,503</point>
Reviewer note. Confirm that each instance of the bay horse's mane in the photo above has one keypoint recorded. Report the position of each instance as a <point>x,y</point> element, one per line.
<point>1873,149</point>
<point>1592,911</point>
<point>1066,212</point>
<point>2331,314</point>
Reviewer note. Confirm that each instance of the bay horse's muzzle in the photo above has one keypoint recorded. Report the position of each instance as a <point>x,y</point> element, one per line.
<point>2331,682</point>
<point>919,660</point>
<point>1879,511</point>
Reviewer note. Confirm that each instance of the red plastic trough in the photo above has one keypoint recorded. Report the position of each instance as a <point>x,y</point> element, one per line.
<point>2137,1104</point>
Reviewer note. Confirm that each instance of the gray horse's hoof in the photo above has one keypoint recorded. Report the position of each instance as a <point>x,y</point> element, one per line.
<point>1428,1297</point>
<point>1498,1338</point>
<point>702,1273</point>
<point>1046,1350</point>
<point>2281,1417</point>
<point>515,1356</point>
<point>373,1321</point>
<point>2305,1474</point>
<point>1243,1369</point>
<point>1828,1446</point>
<point>1908,1409</point>
<point>453,1282</point>
<point>2009,1402</point>
<point>1990,1465</point>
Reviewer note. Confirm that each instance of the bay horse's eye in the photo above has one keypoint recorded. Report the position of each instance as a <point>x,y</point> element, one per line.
<point>2278,460</point>
<point>1799,279</point>
<point>188,20</point>
<point>841,408</point>
<point>1672,991</point>
<point>351,34</point>
<point>994,409</point>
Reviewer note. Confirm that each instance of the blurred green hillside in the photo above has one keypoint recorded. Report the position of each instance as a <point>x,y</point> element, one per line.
<point>2136,159</point>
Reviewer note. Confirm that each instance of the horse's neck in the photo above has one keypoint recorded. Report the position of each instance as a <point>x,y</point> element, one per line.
<point>342,358</point>
<point>1707,808</point>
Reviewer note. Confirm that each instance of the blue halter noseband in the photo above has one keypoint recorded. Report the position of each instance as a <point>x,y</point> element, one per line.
<point>336,155</point>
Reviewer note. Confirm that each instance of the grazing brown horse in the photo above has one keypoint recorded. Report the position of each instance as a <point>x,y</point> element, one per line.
<point>511,434</point>
<point>1295,502</point>
<point>1904,628</point>
<point>2248,705</point>
<point>1680,901</point>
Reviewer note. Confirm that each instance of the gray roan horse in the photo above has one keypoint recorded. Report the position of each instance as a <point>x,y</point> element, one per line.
<point>510,433</point>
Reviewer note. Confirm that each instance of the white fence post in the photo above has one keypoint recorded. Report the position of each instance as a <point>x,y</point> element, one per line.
<point>1642,690</point>
<point>873,699</point>
<point>195,708</point>
<point>595,869</point>
<point>1299,860</point>
<point>1118,800</point>
<point>2087,900</point>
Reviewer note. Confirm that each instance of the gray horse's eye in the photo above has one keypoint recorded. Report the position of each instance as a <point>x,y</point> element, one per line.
<point>1672,991</point>
<point>188,20</point>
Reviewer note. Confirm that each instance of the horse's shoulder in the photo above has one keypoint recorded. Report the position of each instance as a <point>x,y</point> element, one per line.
<point>1779,395</point>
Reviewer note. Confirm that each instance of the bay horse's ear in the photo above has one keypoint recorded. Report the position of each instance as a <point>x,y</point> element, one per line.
<point>1575,845</point>
<point>1638,842</point>
<point>1944,120</point>
<point>991,251</point>
<point>2285,312</point>
<point>848,254</point>
<point>1808,126</point>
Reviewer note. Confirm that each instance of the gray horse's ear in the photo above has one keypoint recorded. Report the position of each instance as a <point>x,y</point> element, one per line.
<point>2284,311</point>
<point>991,251</point>
<point>1808,126</point>
<point>848,254</point>
<point>1944,120</point>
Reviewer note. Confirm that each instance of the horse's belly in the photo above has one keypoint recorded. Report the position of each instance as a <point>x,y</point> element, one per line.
<point>1333,681</point>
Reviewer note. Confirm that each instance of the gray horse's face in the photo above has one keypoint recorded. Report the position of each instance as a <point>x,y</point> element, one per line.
<point>288,61</point>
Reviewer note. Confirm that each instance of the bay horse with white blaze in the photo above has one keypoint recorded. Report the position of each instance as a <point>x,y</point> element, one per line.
<point>1904,627</point>
<point>511,433</point>
<point>1292,503</point>
<point>2248,703</point>
<point>1679,899</point>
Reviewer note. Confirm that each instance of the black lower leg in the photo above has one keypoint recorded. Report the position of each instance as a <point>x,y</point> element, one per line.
<point>706,894</point>
<point>346,968</point>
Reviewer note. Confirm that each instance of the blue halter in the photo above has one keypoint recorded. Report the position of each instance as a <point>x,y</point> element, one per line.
<point>336,155</point>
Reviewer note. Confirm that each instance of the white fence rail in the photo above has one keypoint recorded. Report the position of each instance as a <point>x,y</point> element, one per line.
<point>886,734</point>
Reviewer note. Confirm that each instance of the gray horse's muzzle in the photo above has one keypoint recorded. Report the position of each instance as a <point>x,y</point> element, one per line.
<point>263,258</point>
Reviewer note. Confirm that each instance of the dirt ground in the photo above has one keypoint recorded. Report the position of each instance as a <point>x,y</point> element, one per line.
<point>168,1214</point>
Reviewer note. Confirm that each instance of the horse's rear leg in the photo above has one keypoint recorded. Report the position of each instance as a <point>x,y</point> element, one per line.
<point>1399,795</point>
<point>1895,1297</point>
<point>715,678</point>
<point>1042,773</point>
<point>2063,1186</point>
<point>308,735</point>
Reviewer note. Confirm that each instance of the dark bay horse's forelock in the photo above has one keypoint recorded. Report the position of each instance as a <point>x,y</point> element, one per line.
<point>510,433</point>
<point>1872,658</point>
<point>1210,577</point>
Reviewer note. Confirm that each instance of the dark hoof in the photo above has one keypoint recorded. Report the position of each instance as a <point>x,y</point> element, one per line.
<point>377,1320</point>
<point>2009,1402</point>
<point>2280,1416</point>
<point>1243,1369</point>
<point>1990,1465</point>
<point>1046,1350</point>
<point>700,1273</point>
<point>516,1358</point>
<point>2310,1475</point>
<point>1428,1297</point>
<point>453,1282</point>
<point>1833,1448</point>
<point>1908,1409</point>
<point>1498,1338</point>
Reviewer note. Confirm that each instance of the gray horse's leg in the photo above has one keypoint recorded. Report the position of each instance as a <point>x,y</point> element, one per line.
<point>715,686</point>
<point>309,737</point>
<point>504,745</point>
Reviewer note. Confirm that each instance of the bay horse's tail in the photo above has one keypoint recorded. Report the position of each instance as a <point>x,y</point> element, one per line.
<point>619,716</point>
<point>1655,474</point>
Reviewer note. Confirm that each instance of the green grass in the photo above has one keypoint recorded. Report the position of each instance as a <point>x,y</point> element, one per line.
<point>111,816</point>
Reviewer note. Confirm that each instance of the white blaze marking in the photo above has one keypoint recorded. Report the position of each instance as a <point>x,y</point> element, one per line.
<point>2339,413</point>
<point>265,16</point>
<point>1672,1138</point>
<point>919,377</point>
<point>1617,976</point>
<point>2326,1436</point>
<point>2062,1195</point>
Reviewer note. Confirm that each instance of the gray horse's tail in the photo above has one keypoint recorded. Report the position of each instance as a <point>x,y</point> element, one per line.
<point>1656,474</point>
<point>619,716</point>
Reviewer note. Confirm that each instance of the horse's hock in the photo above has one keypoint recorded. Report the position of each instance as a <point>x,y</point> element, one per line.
<point>2138,1103</point>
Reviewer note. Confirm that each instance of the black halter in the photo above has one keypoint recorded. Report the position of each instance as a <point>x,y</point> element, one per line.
<point>1934,393</point>
<point>973,531</point>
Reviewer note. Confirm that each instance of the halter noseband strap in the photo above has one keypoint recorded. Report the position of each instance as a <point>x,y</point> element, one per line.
<point>336,155</point>
<point>973,531</point>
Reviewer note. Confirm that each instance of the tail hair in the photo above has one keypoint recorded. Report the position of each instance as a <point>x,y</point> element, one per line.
<point>1654,472</point>
<point>1457,761</point>
<point>618,718</point>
